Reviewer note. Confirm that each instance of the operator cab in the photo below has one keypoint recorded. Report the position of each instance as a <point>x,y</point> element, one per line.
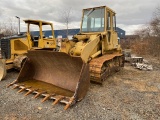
<point>98,19</point>
<point>38,37</point>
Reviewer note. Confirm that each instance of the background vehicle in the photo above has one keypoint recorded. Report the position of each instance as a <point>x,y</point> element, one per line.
<point>64,76</point>
<point>14,48</point>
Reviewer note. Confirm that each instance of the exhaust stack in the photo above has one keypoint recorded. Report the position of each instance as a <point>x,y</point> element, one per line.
<point>18,24</point>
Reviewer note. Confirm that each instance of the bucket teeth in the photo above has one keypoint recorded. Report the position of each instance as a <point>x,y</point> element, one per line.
<point>30,91</point>
<point>69,103</point>
<point>67,106</point>
<point>16,86</point>
<point>47,97</point>
<point>22,89</point>
<point>11,83</point>
<point>57,100</point>
<point>39,93</point>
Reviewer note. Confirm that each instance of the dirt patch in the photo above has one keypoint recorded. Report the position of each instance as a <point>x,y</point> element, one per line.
<point>141,86</point>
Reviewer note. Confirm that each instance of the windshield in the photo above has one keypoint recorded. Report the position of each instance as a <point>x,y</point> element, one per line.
<point>93,20</point>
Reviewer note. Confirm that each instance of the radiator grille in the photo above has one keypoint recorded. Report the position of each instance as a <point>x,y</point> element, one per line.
<point>5,48</point>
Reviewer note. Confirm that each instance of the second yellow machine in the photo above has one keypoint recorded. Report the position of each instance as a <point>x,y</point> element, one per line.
<point>14,48</point>
<point>64,76</point>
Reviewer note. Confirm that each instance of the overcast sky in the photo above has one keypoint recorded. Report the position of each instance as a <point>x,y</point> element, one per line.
<point>130,13</point>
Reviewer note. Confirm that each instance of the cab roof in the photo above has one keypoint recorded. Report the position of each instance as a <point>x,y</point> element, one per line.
<point>101,7</point>
<point>36,22</point>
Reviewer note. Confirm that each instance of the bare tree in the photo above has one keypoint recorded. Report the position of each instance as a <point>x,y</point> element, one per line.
<point>155,23</point>
<point>8,27</point>
<point>150,37</point>
<point>66,15</point>
<point>144,31</point>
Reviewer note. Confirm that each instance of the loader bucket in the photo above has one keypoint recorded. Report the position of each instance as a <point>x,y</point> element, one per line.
<point>55,75</point>
<point>2,69</point>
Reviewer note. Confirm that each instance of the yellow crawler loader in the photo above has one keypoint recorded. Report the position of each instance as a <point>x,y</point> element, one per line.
<point>64,76</point>
<point>14,48</point>
<point>97,43</point>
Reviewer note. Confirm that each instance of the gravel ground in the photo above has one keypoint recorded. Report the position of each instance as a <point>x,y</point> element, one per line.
<point>128,94</point>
